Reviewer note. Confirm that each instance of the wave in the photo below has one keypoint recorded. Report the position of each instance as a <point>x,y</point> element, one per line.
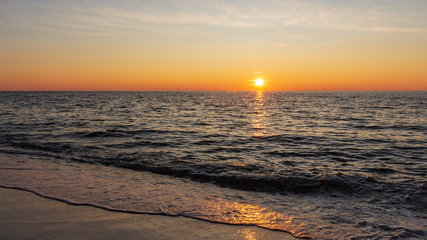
<point>119,133</point>
<point>246,177</point>
<point>257,176</point>
<point>118,196</point>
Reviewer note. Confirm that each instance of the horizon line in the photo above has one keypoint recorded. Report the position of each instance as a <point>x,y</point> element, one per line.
<point>213,90</point>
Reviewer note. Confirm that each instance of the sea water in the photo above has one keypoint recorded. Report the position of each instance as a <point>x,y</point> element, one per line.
<point>321,165</point>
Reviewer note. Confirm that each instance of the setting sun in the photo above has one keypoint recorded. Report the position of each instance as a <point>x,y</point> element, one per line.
<point>259,82</point>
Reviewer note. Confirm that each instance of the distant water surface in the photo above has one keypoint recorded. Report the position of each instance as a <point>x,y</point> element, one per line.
<point>323,165</point>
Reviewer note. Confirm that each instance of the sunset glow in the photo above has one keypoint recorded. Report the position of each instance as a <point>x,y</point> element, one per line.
<point>219,46</point>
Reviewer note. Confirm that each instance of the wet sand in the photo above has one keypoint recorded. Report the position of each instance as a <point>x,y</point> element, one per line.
<point>25,215</point>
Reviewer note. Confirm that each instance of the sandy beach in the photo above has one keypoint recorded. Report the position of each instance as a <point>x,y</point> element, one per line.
<point>25,215</point>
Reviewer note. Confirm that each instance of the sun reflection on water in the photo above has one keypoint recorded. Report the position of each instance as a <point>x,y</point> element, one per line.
<point>249,234</point>
<point>258,126</point>
<point>247,214</point>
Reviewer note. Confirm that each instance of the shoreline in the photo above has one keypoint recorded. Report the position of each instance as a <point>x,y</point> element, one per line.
<point>27,215</point>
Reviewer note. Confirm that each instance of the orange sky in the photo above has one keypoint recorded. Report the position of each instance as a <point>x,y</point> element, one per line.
<point>179,45</point>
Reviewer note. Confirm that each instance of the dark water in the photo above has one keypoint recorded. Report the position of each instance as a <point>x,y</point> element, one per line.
<point>324,165</point>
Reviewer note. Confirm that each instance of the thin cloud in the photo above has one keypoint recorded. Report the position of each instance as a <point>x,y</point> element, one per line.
<point>130,15</point>
<point>340,41</point>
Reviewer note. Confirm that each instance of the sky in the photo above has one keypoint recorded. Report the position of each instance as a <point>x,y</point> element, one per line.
<point>213,45</point>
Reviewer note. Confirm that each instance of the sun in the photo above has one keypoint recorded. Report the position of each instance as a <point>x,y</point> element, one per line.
<point>259,82</point>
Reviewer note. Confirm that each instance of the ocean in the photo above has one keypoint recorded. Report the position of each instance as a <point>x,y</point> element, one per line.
<point>319,165</point>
